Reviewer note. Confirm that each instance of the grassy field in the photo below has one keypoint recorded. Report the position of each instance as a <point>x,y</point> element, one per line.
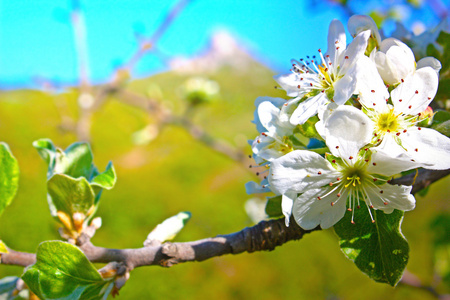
<point>176,173</point>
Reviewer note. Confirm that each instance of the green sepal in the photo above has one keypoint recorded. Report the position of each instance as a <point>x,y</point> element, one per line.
<point>273,207</point>
<point>308,129</point>
<point>70,195</point>
<point>378,249</point>
<point>62,271</point>
<point>9,176</point>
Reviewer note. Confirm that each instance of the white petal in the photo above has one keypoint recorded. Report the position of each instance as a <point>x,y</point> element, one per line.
<point>370,86</point>
<point>389,159</point>
<point>324,112</point>
<point>309,212</point>
<point>298,170</point>
<point>268,116</point>
<point>289,83</point>
<point>429,62</point>
<point>287,201</point>
<point>347,129</point>
<point>400,56</point>
<point>354,51</point>
<point>396,196</point>
<point>345,87</point>
<point>359,23</point>
<point>308,108</point>
<point>278,102</point>
<point>416,92</point>
<point>265,148</point>
<point>427,147</point>
<point>386,68</point>
<point>337,41</point>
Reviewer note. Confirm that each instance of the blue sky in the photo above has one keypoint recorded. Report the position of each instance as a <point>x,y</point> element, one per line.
<point>36,37</point>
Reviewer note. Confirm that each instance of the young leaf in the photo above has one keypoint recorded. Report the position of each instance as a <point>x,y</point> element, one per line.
<point>47,151</point>
<point>378,249</point>
<point>273,207</point>
<point>69,194</point>
<point>9,176</point>
<point>77,161</point>
<point>107,179</point>
<point>63,271</point>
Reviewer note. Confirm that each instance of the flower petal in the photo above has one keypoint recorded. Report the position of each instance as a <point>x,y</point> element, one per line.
<point>427,147</point>
<point>370,87</point>
<point>287,201</point>
<point>278,102</point>
<point>289,83</point>
<point>307,109</point>
<point>359,23</point>
<point>429,62</point>
<point>309,212</point>
<point>337,41</point>
<point>416,92</point>
<point>389,158</point>
<point>353,52</point>
<point>347,129</point>
<point>345,87</point>
<point>298,170</point>
<point>389,197</point>
<point>401,59</point>
<point>268,116</point>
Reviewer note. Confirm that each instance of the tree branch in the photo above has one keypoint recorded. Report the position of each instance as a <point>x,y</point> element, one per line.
<point>265,236</point>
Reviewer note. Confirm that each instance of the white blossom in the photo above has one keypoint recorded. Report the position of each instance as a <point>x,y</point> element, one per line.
<point>395,129</point>
<point>320,190</point>
<point>333,80</point>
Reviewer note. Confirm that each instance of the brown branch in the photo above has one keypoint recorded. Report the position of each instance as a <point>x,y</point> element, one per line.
<point>422,180</point>
<point>264,236</point>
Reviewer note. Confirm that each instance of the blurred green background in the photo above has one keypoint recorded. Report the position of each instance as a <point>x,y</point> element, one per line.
<point>174,173</point>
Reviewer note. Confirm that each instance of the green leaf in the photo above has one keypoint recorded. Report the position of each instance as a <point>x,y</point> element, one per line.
<point>107,179</point>
<point>273,207</point>
<point>308,129</point>
<point>69,194</point>
<point>63,271</point>
<point>46,150</point>
<point>443,128</point>
<point>76,162</point>
<point>9,176</point>
<point>378,249</point>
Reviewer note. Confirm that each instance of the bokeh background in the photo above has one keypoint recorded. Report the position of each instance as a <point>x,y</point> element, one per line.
<point>120,75</point>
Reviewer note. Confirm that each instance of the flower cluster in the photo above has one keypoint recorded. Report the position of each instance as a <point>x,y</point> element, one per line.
<point>350,124</point>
